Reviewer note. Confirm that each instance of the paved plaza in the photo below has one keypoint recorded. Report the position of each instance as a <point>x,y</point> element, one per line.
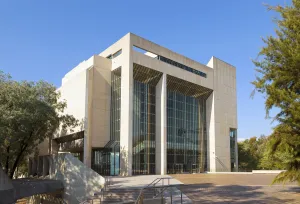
<point>237,188</point>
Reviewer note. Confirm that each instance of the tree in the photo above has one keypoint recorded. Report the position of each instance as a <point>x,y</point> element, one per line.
<point>251,152</point>
<point>30,112</point>
<point>279,80</point>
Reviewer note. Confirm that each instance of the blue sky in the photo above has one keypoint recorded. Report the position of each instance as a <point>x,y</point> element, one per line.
<point>46,39</point>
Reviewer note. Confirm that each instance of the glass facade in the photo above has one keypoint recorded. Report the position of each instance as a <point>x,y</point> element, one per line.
<point>233,138</point>
<point>186,133</point>
<point>106,161</point>
<point>143,144</point>
<point>115,106</point>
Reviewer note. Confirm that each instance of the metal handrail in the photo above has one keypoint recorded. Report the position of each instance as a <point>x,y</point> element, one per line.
<point>167,187</point>
<point>153,183</point>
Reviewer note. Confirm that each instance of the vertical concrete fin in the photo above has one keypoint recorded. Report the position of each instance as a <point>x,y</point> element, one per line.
<point>126,109</point>
<point>161,126</point>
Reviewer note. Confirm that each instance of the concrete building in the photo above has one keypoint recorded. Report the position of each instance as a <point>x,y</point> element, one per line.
<point>148,110</point>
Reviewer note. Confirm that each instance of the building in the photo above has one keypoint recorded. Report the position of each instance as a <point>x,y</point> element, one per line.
<point>148,110</point>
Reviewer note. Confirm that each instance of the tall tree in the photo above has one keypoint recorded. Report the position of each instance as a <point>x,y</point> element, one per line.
<point>251,152</point>
<point>279,80</point>
<point>30,112</point>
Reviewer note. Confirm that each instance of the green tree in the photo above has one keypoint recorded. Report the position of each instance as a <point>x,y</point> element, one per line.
<point>30,112</point>
<point>251,152</point>
<point>279,80</point>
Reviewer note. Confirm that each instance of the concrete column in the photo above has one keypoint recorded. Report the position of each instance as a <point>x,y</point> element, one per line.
<point>126,110</point>
<point>87,121</point>
<point>161,126</point>
<point>210,126</point>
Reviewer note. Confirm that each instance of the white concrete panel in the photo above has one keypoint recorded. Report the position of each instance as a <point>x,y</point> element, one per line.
<point>126,110</point>
<point>161,126</point>
<point>162,51</point>
<point>101,94</point>
<point>161,66</point>
<point>225,112</point>
<point>210,123</point>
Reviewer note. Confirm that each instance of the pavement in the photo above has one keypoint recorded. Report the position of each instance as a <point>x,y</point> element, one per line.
<point>237,188</point>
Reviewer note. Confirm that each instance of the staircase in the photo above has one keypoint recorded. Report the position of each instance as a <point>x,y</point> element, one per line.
<point>155,192</point>
<point>126,196</point>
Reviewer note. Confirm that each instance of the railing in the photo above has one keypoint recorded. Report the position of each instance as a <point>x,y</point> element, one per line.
<point>101,194</point>
<point>152,185</point>
<point>171,192</point>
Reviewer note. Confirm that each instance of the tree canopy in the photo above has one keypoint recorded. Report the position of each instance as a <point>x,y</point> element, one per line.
<point>278,79</point>
<point>30,112</point>
<point>253,155</point>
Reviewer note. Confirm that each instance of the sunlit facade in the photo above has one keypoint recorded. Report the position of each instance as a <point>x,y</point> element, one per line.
<point>148,110</point>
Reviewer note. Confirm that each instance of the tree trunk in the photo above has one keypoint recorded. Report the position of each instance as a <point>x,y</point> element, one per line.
<point>6,163</point>
<point>12,171</point>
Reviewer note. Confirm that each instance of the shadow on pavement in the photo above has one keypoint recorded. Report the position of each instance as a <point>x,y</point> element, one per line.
<point>209,193</point>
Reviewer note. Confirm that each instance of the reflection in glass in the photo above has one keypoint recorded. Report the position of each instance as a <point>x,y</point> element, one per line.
<point>105,161</point>
<point>143,159</point>
<point>186,133</point>
<point>233,136</point>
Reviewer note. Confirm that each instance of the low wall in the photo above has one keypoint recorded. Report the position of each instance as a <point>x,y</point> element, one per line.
<point>253,172</point>
<point>7,192</point>
<point>229,172</point>
<point>267,171</point>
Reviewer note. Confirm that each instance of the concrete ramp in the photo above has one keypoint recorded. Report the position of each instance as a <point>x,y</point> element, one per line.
<point>80,181</point>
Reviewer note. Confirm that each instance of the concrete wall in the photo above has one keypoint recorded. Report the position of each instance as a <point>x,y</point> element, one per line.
<point>126,109</point>
<point>74,91</point>
<point>159,50</point>
<point>100,101</point>
<point>87,89</point>
<point>80,182</point>
<point>223,115</point>
<point>160,66</point>
<point>161,126</point>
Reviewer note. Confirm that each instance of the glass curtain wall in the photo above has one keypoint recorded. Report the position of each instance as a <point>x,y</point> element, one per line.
<point>106,160</point>
<point>233,136</point>
<point>186,133</point>
<point>143,159</point>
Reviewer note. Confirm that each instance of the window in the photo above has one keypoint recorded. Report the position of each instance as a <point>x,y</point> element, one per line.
<point>233,136</point>
<point>116,54</point>
<point>186,146</point>
<point>176,64</point>
<point>145,52</point>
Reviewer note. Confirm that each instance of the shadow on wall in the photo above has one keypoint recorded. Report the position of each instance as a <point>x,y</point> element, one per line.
<point>80,182</point>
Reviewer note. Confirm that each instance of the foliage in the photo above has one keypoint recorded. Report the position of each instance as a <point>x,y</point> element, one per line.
<point>279,81</point>
<point>30,112</point>
<point>251,152</point>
